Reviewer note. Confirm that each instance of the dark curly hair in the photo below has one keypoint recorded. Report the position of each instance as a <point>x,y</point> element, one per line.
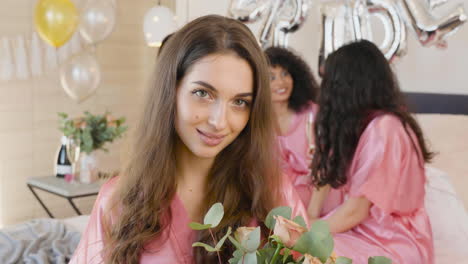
<point>304,84</point>
<point>358,81</point>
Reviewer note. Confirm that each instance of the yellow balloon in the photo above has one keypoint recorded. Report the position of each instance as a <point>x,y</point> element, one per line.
<point>56,21</point>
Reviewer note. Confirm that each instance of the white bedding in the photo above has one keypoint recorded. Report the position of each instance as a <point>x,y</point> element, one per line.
<point>449,219</point>
<point>77,223</point>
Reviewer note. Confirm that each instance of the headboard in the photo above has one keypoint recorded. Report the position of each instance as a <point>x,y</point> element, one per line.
<point>435,103</point>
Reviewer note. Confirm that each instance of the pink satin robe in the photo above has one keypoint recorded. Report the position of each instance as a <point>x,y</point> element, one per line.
<point>176,249</point>
<point>387,171</point>
<point>294,146</point>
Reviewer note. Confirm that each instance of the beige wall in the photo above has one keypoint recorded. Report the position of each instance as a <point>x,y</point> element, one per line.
<point>421,70</point>
<point>28,109</point>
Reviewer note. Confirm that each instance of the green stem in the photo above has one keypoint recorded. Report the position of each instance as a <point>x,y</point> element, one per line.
<point>277,254</point>
<point>215,242</point>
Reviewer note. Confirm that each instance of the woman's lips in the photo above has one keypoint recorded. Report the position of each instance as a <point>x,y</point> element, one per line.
<point>210,139</point>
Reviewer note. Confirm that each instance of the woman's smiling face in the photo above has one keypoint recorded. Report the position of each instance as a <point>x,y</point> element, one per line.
<point>213,103</point>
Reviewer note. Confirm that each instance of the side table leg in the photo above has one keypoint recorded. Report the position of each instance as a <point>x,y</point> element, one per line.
<point>40,201</point>
<point>70,200</point>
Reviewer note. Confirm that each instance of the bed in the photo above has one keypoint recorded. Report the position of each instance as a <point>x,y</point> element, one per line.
<point>444,121</point>
<point>41,241</point>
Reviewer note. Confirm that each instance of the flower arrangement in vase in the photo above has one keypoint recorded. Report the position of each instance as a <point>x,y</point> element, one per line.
<point>91,133</point>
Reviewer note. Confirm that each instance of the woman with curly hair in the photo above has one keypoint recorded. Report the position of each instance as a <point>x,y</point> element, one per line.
<point>294,90</point>
<point>371,150</point>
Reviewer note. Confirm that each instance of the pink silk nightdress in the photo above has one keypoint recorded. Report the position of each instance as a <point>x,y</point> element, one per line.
<point>389,172</point>
<point>176,249</point>
<point>294,146</point>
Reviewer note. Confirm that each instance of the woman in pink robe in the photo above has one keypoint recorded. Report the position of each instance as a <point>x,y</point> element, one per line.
<point>294,89</point>
<point>372,152</point>
<point>205,136</point>
<point>177,248</point>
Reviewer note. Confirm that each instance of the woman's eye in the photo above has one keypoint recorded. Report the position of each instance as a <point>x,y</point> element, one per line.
<point>200,93</point>
<point>272,77</point>
<point>284,73</point>
<point>240,102</point>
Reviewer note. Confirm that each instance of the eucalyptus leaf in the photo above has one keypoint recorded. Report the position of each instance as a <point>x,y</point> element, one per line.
<point>300,221</point>
<point>207,247</point>
<point>221,241</point>
<point>379,260</point>
<point>320,226</point>
<point>283,211</point>
<point>318,244</point>
<point>343,260</point>
<point>214,215</point>
<point>265,254</point>
<point>236,243</point>
<point>236,256</point>
<point>198,226</point>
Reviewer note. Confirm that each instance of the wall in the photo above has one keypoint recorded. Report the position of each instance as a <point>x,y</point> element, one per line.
<point>421,70</point>
<point>28,109</point>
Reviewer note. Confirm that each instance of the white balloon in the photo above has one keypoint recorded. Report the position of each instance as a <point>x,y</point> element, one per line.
<point>97,20</point>
<point>159,22</point>
<point>80,76</point>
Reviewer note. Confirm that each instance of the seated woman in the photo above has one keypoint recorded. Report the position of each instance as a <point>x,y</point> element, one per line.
<point>293,89</point>
<point>372,150</point>
<point>205,136</point>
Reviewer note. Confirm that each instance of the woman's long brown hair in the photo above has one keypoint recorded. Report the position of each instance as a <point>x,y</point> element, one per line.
<point>358,81</point>
<point>244,176</point>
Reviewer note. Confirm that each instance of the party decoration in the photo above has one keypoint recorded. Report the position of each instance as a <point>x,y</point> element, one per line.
<point>80,77</point>
<point>248,11</point>
<point>347,22</point>
<point>55,21</point>
<point>51,58</point>
<point>350,20</point>
<point>6,60</point>
<point>36,56</point>
<point>429,29</point>
<point>158,23</point>
<point>22,69</point>
<point>97,20</point>
<point>283,17</point>
<point>290,17</point>
<point>394,43</point>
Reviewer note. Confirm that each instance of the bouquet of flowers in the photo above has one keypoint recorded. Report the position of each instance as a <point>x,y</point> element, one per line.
<point>92,131</point>
<point>289,240</point>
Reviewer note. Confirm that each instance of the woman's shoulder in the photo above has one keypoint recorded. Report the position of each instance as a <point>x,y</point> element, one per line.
<point>389,131</point>
<point>107,189</point>
<point>310,107</point>
<point>386,125</point>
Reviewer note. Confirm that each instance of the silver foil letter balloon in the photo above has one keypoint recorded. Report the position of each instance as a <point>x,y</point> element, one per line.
<point>429,29</point>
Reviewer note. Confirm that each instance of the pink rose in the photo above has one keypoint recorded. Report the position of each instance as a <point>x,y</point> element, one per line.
<point>78,122</point>
<point>311,260</point>
<point>288,231</point>
<point>112,123</point>
<point>242,233</point>
<point>332,258</point>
